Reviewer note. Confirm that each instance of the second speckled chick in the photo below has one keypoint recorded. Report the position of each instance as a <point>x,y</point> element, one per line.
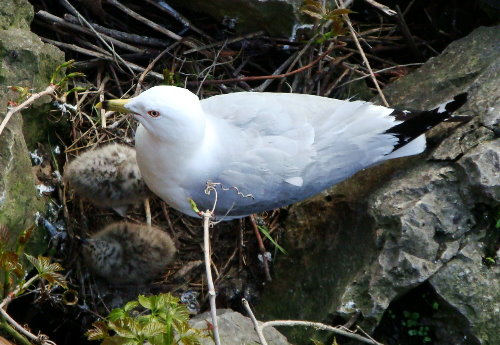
<point>108,176</point>
<point>126,253</point>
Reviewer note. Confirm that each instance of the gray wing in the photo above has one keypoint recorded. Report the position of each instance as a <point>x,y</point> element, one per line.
<point>287,147</point>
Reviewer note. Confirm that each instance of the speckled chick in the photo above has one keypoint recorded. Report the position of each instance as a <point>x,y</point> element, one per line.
<point>126,253</point>
<point>108,177</point>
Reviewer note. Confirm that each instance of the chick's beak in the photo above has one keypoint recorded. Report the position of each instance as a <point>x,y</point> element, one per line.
<point>114,104</point>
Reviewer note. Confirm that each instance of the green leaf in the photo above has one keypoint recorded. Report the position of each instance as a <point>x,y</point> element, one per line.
<point>117,340</point>
<point>153,328</point>
<point>266,233</point>
<point>125,328</point>
<point>117,314</point>
<point>317,342</point>
<point>193,206</point>
<point>435,305</point>
<point>99,331</point>
<point>146,302</point>
<point>130,305</point>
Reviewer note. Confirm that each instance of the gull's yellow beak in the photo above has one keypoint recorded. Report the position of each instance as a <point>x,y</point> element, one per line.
<point>114,104</point>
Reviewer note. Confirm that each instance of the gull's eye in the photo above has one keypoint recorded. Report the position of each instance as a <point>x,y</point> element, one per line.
<point>153,113</point>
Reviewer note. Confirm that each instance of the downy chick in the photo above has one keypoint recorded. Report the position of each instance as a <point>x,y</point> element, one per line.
<point>126,253</point>
<point>108,177</point>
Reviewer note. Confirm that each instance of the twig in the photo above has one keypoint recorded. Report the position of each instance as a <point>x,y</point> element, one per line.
<point>121,35</point>
<point>211,290</point>
<point>260,327</point>
<point>381,7</point>
<point>407,34</point>
<point>147,210</point>
<point>85,21</point>
<point>263,77</point>
<point>40,339</point>
<point>321,326</point>
<point>50,90</point>
<point>262,249</point>
<point>365,59</point>
<point>148,22</point>
<point>18,337</point>
<point>167,217</point>
<point>224,43</point>
<point>150,67</point>
<point>81,50</point>
<point>256,325</point>
<point>61,22</point>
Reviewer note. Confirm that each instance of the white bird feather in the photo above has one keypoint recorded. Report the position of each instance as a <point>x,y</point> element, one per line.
<point>280,148</point>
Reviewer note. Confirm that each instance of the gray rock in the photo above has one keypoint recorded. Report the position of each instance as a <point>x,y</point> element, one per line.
<point>24,61</point>
<point>472,289</point>
<point>236,329</point>
<point>373,238</point>
<point>481,167</point>
<point>277,17</point>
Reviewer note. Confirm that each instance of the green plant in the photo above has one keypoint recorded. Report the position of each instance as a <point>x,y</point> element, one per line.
<point>413,323</point>
<point>157,319</point>
<point>322,11</point>
<point>14,271</point>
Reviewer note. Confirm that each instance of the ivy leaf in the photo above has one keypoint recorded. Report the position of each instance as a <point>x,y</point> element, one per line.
<point>99,331</point>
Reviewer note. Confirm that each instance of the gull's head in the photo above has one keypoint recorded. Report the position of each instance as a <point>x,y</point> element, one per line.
<point>165,111</point>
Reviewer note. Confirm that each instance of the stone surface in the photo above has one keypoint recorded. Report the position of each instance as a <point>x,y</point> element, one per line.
<point>472,289</point>
<point>276,17</point>
<point>236,329</point>
<point>15,14</point>
<point>373,238</point>
<point>24,61</point>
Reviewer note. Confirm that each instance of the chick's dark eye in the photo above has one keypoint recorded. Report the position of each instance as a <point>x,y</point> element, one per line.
<point>153,113</point>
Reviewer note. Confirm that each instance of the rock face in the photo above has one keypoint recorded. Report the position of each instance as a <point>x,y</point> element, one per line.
<point>395,228</point>
<point>276,17</point>
<point>236,329</point>
<point>24,61</point>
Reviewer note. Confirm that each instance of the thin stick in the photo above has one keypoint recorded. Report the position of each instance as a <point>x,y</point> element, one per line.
<point>407,34</point>
<point>262,249</point>
<point>321,326</point>
<point>56,21</point>
<point>224,43</point>
<point>21,329</point>
<point>263,77</point>
<point>121,35</point>
<point>98,35</point>
<point>256,325</point>
<point>381,7</point>
<point>147,210</point>
<point>365,59</point>
<point>50,90</point>
<point>150,67</point>
<point>211,290</point>
<point>146,21</point>
<point>78,49</point>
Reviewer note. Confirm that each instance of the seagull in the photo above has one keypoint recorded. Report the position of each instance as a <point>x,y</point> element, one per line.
<point>262,151</point>
<point>108,177</point>
<point>125,253</point>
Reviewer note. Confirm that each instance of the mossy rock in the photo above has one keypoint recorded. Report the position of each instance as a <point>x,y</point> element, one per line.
<point>15,14</point>
<point>24,61</point>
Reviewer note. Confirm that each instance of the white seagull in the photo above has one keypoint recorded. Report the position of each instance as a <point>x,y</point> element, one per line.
<point>264,150</point>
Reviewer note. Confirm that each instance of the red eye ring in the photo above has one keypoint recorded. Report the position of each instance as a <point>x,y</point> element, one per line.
<point>153,113</point>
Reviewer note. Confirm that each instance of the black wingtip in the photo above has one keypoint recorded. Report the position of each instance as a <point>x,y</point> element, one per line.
<point>458,101</point>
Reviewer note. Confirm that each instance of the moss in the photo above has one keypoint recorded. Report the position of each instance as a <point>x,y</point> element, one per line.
<point>15,14</point>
